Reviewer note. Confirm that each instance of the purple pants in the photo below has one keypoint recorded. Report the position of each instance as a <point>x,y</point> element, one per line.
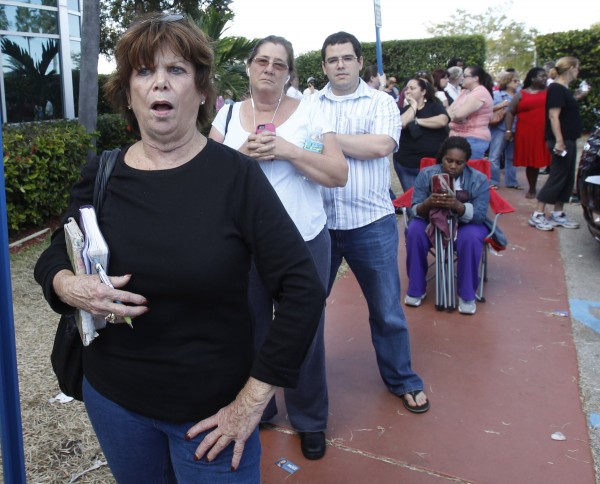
<point>468,246</point>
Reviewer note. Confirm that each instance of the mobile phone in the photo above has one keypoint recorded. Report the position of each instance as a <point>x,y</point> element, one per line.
<point>265,127</point>
<point>562,154</point>
<point>441,183</point>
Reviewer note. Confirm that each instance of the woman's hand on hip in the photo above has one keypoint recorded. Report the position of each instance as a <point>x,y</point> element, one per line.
<point>233,423</point>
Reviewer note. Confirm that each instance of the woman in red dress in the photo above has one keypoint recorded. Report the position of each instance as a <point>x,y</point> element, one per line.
<point>529,105</point>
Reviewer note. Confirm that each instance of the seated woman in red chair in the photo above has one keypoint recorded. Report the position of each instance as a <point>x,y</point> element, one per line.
<point>468,203</point>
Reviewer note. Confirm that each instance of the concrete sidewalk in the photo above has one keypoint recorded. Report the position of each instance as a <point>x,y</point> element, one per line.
<point>501,383</point>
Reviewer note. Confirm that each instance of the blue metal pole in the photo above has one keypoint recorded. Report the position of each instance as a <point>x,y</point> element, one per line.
<point>378,51</point>
<point>13,459</point>
<point>377,8</point>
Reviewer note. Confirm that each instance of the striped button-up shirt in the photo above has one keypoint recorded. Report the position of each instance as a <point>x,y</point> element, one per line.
<point>365,198</point>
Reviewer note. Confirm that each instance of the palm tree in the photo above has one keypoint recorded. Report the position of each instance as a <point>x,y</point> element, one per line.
<point>230,52</point>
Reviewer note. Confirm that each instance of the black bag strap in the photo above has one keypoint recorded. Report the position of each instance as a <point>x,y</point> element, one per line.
<point>108,159</point>
<point>228,119</point>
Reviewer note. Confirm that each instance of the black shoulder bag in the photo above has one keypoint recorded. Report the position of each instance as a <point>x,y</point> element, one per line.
<point>67,350</point>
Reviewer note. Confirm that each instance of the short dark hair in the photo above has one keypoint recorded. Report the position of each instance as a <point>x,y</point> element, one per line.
<point>428,88</point>
<point>533,72</point>
<point>453,142</point>
<point>148,34</point>
<point>455,61</point>
<point>342,38</point>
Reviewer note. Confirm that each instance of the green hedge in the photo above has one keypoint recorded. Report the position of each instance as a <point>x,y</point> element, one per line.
<point>402,58</point>
<point>585,45</point>
<point>41,162</point>
<point>113,132</point>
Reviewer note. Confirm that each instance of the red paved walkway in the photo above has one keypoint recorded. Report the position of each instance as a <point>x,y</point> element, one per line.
<point>500,383</point>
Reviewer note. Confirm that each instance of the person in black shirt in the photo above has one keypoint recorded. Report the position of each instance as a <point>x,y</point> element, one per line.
<point>183,217</point>
<point>563,127</point>
<point>424,129</point>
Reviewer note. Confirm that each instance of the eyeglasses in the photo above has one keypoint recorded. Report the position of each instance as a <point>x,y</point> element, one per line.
<point>464,75</point>
<point>277,64</point>
<point>163,17</point>
<point>422,73</point>
<point>345,59</point>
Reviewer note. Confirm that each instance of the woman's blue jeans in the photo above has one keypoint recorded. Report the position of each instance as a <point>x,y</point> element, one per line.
<point>499,146</point>
<point>478,147</point>
<point>405,175</point>
<point>140,450</point>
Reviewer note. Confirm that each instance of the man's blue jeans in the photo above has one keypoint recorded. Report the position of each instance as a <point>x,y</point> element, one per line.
<point>307,405</point>
<point>498,146</point>
<point>372,254</point>
<point>140,450</point>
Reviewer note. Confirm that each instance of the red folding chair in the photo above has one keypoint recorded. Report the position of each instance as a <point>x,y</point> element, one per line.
<point>445,293</point>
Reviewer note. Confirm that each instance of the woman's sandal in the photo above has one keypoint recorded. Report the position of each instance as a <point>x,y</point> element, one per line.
<point>417,408</point>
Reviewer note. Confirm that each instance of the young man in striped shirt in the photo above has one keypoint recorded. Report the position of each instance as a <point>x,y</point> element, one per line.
<point>360,216</point>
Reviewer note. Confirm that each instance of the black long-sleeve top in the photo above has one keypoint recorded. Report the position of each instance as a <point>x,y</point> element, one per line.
<point>187,235</point>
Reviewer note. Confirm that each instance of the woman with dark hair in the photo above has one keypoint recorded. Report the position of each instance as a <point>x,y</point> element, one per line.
<point>563,127</point>
<point>425,123</point>
<point>529,108</point>
<point>184,217</point>
<point>440,82</point>
<point>468,202</point>
<point>297,175</point>
<point>470,114</point>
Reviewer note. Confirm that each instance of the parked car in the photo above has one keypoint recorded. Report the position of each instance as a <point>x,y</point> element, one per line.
<point>588,182</point>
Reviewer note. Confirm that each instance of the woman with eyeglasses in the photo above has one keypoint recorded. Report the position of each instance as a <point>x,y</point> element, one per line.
<point>528,107</point>
<point>278,132</point>
<point>178,398</point>
<point>470,114</point>
<point>500,147</point>
<point>425,127</point>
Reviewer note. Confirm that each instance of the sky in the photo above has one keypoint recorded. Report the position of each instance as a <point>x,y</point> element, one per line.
<point>307,23</point>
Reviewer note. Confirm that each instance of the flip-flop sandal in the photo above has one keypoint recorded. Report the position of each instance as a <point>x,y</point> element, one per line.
<point>418,408</point>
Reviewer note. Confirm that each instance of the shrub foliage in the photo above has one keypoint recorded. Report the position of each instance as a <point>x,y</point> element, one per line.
<point>41,162</point>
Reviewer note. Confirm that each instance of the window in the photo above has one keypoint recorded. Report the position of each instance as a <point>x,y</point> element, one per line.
<point>32,82</point>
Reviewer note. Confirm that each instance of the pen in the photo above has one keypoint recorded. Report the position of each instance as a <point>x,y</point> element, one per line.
<point>105,280</point>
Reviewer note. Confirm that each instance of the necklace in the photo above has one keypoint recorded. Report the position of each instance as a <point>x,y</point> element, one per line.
<point>274,114</point>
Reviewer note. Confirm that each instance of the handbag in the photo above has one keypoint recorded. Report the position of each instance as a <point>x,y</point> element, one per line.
<point>497,117</point>
<point>67,349</point>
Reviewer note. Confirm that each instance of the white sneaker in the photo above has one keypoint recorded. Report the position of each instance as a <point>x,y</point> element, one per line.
<point>414,301</point>
<point>539,222</point>
<point>466,307</point>
<point>561,220</point>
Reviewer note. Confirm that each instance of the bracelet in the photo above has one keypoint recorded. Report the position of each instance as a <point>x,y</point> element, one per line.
<point>508,131</point>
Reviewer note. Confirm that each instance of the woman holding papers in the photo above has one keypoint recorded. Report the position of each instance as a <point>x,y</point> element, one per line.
<point>282,134</point>
<point>183,218</point>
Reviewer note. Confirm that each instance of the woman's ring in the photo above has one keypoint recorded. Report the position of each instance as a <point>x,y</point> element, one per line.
<point>110,317</point>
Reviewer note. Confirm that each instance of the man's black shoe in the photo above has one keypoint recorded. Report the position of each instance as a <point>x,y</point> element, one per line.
<point>312,444</point>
